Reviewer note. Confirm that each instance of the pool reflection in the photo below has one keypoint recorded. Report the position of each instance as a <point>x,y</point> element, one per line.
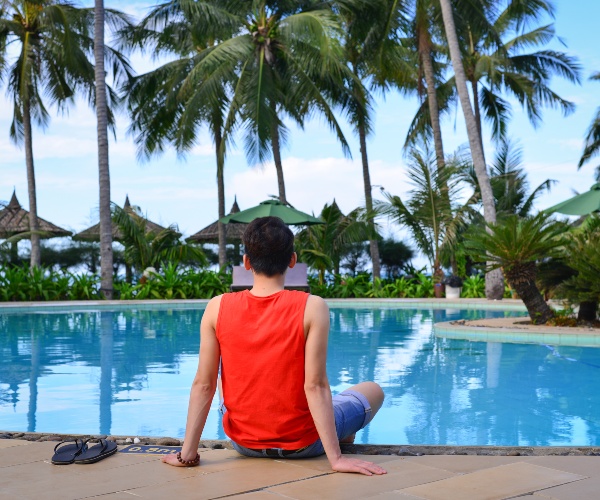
<point>129,372</point>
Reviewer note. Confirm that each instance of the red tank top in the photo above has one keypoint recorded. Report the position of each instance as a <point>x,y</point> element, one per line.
<point>262,355</point>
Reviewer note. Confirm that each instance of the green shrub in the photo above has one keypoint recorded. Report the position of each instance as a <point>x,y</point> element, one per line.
<point>474,287</point>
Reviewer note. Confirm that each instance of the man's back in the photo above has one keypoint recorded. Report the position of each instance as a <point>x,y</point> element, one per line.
<point>262,343</point>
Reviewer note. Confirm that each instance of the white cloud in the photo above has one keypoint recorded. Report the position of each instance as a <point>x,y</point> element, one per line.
<point>310,183</point>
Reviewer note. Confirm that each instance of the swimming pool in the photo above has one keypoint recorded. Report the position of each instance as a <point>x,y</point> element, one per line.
<point>128,371</point>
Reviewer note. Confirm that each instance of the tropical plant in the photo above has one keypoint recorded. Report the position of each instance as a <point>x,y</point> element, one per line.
<point>353,286</point>
<point>52,47</point>
<point>145,249</point>
<point>395,256</point>
<point>473,287</point>
<point>433,223</point>
<point>592,138</point>
<point>581,285</point>
<point>515,244</point>
<point>509,182</point>
<point>322,246</point>
<point>173,282</point>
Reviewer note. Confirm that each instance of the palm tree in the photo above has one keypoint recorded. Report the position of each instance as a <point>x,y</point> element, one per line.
<point>145,249</point>
<point>322,246</point>
<point>287,63</point>
<point>170,103</point>
<point>497,62</point>
<point>378,60</point>
<point>515,245</point>
<point>509,181</point>
<point>53,49</point>
<point>423,29</point>
<point>106,254</point>
<point>494,280</point>
<point>592,138</point>
<point>434,223</point>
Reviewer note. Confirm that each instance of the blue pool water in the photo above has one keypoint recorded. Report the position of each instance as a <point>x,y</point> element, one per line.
<point>128,372</point>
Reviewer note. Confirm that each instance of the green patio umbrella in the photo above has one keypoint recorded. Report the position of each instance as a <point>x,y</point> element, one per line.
<point>273,208</point>
<point>581,204</point>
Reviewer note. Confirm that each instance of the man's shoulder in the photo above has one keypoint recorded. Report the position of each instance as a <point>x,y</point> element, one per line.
<point>316,306</point>
<point>212,308</point>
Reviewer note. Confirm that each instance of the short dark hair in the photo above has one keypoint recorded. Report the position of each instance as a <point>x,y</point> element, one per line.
<point>269,244</point>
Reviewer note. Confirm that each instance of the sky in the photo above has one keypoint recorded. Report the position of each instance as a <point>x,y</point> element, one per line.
<point>183,191</point>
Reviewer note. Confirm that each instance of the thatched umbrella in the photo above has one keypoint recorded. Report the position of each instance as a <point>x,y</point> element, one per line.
<point>14,220</point>
<point>210,234</point>
<point>93,233</point>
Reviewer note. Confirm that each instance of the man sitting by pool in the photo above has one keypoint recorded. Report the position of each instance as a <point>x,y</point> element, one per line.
<point>272,346</point>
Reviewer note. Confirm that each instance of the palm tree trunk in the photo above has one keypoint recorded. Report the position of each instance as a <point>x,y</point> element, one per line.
<point>477,110</point>
<point>106,254</point>
<point>278,165</point>
<point>221,199</point>
<point>494,283</point>
<point>34,226</point>
<point>588,311</point>
<point>373,246</point>
<point>538,309</point>
<point>434,109</point>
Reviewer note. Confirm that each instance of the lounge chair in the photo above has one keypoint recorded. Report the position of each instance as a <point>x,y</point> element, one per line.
<point>295,278</point>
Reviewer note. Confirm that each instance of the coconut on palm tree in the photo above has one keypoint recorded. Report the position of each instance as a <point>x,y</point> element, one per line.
<point>516,245</point>
<point>50,56</point>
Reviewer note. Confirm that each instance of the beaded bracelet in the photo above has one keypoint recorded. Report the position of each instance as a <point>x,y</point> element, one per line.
<point>196,460</point>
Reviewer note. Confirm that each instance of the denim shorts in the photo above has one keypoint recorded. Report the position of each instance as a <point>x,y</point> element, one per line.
<point>352,412</point>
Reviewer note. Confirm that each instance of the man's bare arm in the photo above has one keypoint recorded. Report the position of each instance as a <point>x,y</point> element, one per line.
<point>318,393</point>
<point>204,385</point>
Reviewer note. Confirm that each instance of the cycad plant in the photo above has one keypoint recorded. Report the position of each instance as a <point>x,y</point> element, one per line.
<point>582,256</point>
<point>145,249</point>
<point>46,49</point>
<point>515,245</point>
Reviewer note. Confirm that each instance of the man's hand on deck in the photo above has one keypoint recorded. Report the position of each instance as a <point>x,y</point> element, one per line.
<point>346,464</point>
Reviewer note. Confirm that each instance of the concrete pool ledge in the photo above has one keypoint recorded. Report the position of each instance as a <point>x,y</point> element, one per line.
<point>479,304</point>
<point>350,449</point>
<point>515,330</point>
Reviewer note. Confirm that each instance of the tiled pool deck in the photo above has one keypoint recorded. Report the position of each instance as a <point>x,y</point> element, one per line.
<point>26,473</point>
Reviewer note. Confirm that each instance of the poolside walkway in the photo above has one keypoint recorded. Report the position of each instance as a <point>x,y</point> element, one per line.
<point>26,472</point>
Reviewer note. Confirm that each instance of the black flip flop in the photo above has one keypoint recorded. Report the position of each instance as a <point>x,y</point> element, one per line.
<point>97,452</point>
<point>65,454</point>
